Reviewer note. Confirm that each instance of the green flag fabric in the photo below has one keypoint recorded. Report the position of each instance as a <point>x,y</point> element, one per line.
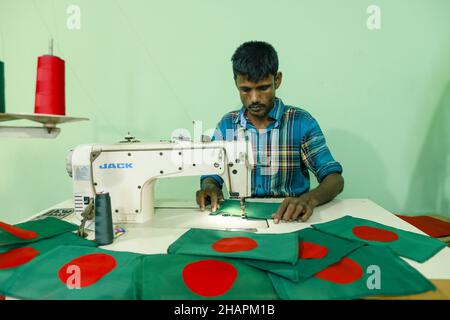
<point>236,244</point>
<point>33,231</point>
<point>368,271</point>
<point>253,210</point>
<point>316,251</point>
<point>193,277</point>
<point>404,243</point>
<point>77,273</point>
<point>14,257</point>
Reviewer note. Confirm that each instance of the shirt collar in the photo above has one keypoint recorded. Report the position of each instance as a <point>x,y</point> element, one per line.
<point>276,113</point>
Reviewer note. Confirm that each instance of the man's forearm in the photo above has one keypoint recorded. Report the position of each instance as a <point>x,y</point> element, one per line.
<point>327,190</point>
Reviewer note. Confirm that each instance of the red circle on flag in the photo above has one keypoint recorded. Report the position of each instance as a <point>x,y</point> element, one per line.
<point>234,244</point>
<point>345,271</point>
<point>209,278</point>
<point>18,232</point>
<point>374,234</point>
<point>91,268</point>
<point>17,257</point>
<point>309,250</point>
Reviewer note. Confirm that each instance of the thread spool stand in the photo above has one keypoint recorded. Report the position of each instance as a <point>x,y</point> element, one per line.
<point>49,122</point>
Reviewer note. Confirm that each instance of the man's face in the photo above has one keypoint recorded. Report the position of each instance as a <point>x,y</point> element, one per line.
<point>258,97</point>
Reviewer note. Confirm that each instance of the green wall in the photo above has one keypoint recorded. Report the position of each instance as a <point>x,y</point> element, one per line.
<point>381,96</point>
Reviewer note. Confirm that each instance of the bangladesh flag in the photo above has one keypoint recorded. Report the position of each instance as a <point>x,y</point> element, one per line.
<point>32,231</point>
<point>14,257</point>
<point>316,251</point>
<point>236,244</point>
<point>404,243</point>
<point>78,273</point>
<point>193,277</point>
<point>368,271</point>
<point>253,210</point>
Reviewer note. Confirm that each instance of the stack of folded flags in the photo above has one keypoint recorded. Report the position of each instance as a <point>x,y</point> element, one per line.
<point>347,258</point>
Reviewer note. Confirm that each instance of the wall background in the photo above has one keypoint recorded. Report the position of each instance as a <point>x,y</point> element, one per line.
<point>382,97</point>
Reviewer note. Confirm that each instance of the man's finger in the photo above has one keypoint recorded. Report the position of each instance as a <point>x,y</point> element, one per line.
<point>298,211</point>
<point>201,198</point>
<point>289,212</point>
<point>197,198</point>
<point>214,201</point>
<point>307,214</point>
<point>280,210</point>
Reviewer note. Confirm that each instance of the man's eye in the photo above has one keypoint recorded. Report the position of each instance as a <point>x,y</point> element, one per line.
<point>264,88</point>
<point>245,89</point>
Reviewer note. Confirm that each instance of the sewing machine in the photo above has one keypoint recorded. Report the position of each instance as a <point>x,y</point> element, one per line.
<point>128,172</point>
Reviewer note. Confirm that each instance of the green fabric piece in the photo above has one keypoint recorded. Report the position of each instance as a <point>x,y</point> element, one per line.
<point>43,246</point>
<point>39,279</point>
<point>270,247</point>
<point>163,277</point>
<point>409,245</point>
<point>253,210</point>
<point>2,87</point>
<point>397,278</point>
<point>305,268</point>
<point>45,228</point>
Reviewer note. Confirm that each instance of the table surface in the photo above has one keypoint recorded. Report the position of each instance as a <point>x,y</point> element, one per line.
<point>173,218</point>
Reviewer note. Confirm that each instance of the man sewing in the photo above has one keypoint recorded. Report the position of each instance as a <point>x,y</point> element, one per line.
<point>287,141</point>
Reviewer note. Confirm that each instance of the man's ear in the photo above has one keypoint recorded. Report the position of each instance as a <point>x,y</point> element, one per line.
<point>278,78</point>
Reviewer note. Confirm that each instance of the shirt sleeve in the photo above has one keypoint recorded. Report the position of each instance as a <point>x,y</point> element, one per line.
<point>219,134</point>
<point>315,153</point>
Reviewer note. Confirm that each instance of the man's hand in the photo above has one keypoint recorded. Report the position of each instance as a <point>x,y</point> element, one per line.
<point>295,209</point>
<point>209,193</point>
<point>301,208</point>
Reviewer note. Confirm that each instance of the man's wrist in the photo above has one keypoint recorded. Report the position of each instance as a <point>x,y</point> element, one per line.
<point>310,199</point>
<point>210,183</point>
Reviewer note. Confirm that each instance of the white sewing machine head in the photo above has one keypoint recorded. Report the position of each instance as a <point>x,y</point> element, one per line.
<point>128,171</point>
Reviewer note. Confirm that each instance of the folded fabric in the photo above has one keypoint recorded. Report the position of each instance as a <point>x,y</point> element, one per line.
<point>368,271</point>
<point>193,277</point>
<point>77,273</point>
<point>32,231</point>
<point>231,244</point>
<point>14,257</point>
<point>253,210</point>
<point>431,226</point>
<point>404,243</point>
<point>316,251</point>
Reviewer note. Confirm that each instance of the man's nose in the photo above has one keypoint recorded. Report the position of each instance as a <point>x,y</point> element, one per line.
<point>254,97</point>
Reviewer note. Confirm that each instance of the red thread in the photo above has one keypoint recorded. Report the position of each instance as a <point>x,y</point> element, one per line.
<point>234,244</point>
<point>209,278</point>
<point>16,257</point>
<point>345,271</point>
<point>374,234</point>
<point>309,250</point>
<point>92,267</point>
<point>18,232</point>
<point>50,86</point>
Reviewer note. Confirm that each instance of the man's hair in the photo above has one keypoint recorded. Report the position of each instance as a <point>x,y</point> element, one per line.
<point>256,60</point>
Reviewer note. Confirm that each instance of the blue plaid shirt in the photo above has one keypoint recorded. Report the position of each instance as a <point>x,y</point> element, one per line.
<point>284,151</point>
